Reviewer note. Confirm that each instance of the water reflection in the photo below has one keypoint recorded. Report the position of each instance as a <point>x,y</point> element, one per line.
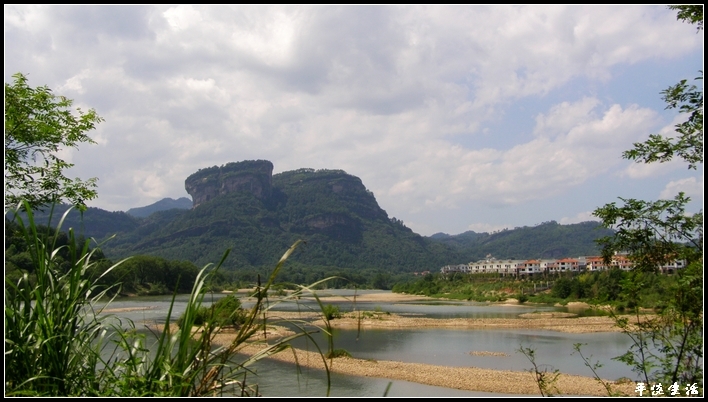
<point>496,349</point>
<point>281,380</point>
<point>449,347</point>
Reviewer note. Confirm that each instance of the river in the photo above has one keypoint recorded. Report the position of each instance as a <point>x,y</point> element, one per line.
<point>448,347</point>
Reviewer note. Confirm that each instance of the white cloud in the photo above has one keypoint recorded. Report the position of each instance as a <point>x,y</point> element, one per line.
<point>182,17</point>
<point>31,17</point>
<point>420,102</point>
<point>692,186</point>
<point>487,228</point>
<point>641,170</point>
<point>74,83</point>
<point>582,146</point>
<point>563,117</point>
<point>584,216</point>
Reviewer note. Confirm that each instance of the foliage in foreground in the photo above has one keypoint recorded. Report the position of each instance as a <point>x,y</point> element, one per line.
<point>225,313</point>
<point>544,375</point>
<point>37,125</point>
<point>59,344</point>
<point>51,324</point>
<point>669,347</point>
<point>141,275</point>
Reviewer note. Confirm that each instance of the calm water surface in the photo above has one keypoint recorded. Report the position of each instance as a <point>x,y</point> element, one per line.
<point>449,347</point>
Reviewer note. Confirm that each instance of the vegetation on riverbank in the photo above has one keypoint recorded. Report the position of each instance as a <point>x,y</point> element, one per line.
<point>58,342</point>
<point>598,288</point>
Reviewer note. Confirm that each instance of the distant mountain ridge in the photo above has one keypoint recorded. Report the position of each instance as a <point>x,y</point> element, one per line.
<point>162,205</point>
<point>243,207</point>
<point>458,238</point>
<point>545,240</point>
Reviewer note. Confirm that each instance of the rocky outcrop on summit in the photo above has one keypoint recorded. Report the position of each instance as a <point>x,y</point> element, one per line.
<point>251,176</point>
<point>245,208</point>
<point>334,191</point>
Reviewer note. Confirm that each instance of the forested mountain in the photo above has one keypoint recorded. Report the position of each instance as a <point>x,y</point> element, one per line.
<point>459,240</point>
<point>94,222</point>
<point>162,205</point>
<point>546,240</point>
<point>243,207</point>
<point>259,216</point>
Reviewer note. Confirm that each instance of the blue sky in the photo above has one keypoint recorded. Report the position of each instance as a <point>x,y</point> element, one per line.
<point>456,117</point>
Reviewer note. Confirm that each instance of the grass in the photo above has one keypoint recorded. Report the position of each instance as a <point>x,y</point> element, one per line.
<point>53,335</point>
<point>59,344</point>
<point>376,314</point>
<point>338,353</point>
<point>331,311</point>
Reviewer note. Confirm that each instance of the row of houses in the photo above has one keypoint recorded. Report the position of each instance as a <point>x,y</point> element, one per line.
<point>549,266</point>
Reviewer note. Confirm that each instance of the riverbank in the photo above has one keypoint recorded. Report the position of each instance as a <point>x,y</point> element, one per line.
<point>461,378</point>
<point>561,322</point>
<point>553,321</point>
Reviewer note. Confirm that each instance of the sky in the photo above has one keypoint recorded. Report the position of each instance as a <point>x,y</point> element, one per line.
<point>457,118</point>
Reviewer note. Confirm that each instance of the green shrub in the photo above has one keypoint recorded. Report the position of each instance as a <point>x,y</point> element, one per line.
<point>53,334</point>
<point>152,289</point>
<point>226,312</point>
<point>56,340</point>
<point>331,312</point>
<point>338,353</point>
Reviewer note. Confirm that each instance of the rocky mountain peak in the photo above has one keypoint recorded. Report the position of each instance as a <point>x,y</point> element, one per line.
<point>252,176</point>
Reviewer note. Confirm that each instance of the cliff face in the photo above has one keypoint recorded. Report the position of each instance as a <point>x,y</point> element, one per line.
<point>252,176</point>
<point>305,201</point>
<point>331,190</point>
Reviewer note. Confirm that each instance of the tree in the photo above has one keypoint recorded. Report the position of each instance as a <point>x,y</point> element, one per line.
<point>691,13</point>
<point>669,347</point>
<point>38,124</point>
<point>689,100</point>
<point>689,143</point>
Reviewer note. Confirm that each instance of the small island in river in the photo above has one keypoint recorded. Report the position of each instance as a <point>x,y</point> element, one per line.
<point>463,378</point>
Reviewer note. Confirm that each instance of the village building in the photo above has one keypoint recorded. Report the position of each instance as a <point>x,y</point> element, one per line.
<point>533,267</point>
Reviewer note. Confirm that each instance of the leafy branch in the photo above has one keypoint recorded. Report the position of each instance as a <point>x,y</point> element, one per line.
<point>545,379</point>
<point>593,367</point>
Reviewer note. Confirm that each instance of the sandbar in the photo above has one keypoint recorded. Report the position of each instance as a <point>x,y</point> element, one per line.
<point>462,378</point>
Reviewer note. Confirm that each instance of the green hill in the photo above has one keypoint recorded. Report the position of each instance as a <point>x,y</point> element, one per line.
<point>546,240</point>
<point>162,205</point>
<point>243,207</point>
<point>94,222</point>
<point>339,219</point>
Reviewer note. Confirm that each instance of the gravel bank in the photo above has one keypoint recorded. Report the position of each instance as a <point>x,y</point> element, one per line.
<point>463,378</point>
<point>562,322</point>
